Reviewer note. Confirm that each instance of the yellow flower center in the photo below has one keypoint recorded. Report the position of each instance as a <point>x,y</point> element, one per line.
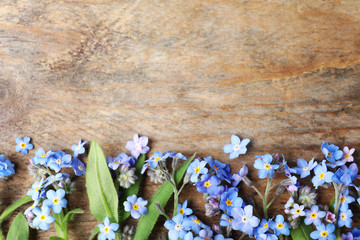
<point>197,170</point>
<point>322,175</point>
<point>267,166</point>
<point>324,234</point>
<point>181,211</point>
<point>37,188</point>
<point>228,202</point>
<point>313,215</point>
<point>329,154</point>
<point>230,221</point>
<point>157,159</point>
<point>135,207</point>
<point>44,155</point>
<point>266,225</point>
<point>42,217</point>
<point>106,229</point>
<point>56,200</point>
<point>78,147</point>
<point>23,145</point>
<point>347,155</point>
<point>216,167</point>
<point>280,226</point>
<point>207,184</point>
<point>343,216</point>
<point>197,221</point>
<point>298,211</point>
<point>342,199</point>
<point>207,238</point>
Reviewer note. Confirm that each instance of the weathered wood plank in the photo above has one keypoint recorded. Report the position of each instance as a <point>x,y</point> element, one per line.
<point>187,74</point>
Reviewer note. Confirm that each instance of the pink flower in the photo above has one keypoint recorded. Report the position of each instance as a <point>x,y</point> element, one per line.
<point>347,154</point>
<point>138,146</point>
<point>330,217</point>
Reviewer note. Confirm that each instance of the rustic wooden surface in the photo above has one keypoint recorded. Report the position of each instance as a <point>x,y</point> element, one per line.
<point>188,74</point>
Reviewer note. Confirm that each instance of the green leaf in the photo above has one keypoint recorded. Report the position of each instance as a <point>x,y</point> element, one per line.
<point>134,189</point>
<point>103,197</point>
<point>95,232</point>
<point>331,206</point>
<point>70,215</point>
<point>60,230</point>
<point>162,196</point>
<point>302,232</point>
<point>19,229</point>
<point>8,211</point>
<point>56,238</point>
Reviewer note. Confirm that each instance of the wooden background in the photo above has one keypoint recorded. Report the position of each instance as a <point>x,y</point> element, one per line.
<point>188,74</point>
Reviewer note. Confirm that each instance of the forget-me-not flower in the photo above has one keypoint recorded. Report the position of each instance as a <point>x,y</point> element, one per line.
<point>35,190</point>
<point>78,148</point>
<point>41,157</point>
<point>314,215</point>
<point>237,177</point>
<point>344,218</point>
<point>176,227</point>
<point>280,226</point>
<point>156,158</point>
<point>324,233</point>
<point>297,211</point>
<point>303,167</point>
<point>332,153</point>
<point>136,206</point>
<point>322,175</point>
<point>229,199</point>
<point>204,234</point>
<point>183,209</point>
<point>209,184</point>
<point>43,217</point>
<point>264,165</point>
<point>56,200</point>
<point>244,220</point>
<point>347,154</point>
<point>23,145</point>
<point>6,167</point>
<point>345,175</point>
<point>107,230</point>
<point>236,147</point>
<point>138,146</point>
<point>345,200</point>
<point>193,223</point>
<point>59,160</point>
<point>222,170</point>
<point>196,168</point>
<point>78,166</point>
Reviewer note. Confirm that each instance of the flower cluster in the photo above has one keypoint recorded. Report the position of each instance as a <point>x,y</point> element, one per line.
<point>6,167</point>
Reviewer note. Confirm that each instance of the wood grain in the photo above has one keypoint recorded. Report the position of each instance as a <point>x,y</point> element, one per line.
<point>188,74</point>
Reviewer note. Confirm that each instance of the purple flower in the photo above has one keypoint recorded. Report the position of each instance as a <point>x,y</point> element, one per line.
<point>209,184</point>
<point>236,147</point>
<point>237,177</point>
<point>121,158</point>
<point>313,215</point>
<point>138,146</point>
<point>330,217</point>
<point>347,154</point>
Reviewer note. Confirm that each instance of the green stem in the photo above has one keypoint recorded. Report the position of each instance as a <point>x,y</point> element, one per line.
<point>176,200</point>
<point>267,190</point>
<point>1,234</point>
<point>272,201</point>
<point>258,192</point>
<point>61,229</point>
<point>337,201</point>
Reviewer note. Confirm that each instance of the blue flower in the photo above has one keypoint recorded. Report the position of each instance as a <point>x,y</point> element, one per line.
<point>324,233</point>
<point>107,230</point>
<point>356,233</point>
<point>222,170</point>
<point>263,227</point>
<point>138,146</point>
<point>264,165</point>
<point>23,145</point>
<point>297,211</point>
<point>59,160</point>
<point>35,203</point>
<point>229,200</point>
<point>331,152</point>
<point>136,206</point>
<point>55,200</point>
<point>176,227</point>
<point>183,209</point>
<point>158,156</point>
<point>345,200</point>
<point>321,175</point>
<point>221,237</point>
<point>303,167</point>
<point>204,234</point>
<point>225,220</point>
<point>78,166</point>
<point>209,184</point>
<point>6,167</point>
<point>280,226</point>
<point>35,190</point>
<point>41,157</point>
<point>193,223</point>
<point>289,203</point>
<point>42,219</point>
<point>345,175</point>
<point>345,219</point>
<point>266,236</point>
<point>244,219</point>
<point>236,147</point>
<point>195,169</point>
<point>121,158</point>
<point>53,178</point>
<point>314,215</point>
<point>237,177</point>
<point>78,148</point>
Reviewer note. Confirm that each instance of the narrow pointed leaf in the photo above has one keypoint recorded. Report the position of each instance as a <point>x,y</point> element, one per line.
<point>103,198</point>
<point>134,189</point>
<point>56,238</point>
<point>8,211</point>
<point>70,215</point>
<point>162,196</point>
<point>95,232</point>
<point>19,229</point>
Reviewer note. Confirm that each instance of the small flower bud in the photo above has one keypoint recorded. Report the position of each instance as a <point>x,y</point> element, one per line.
<point>160,209</point>
<point>247,181</point>
<point>280,190</point>
<point>187,178</point>
<point>29,215</point>
<point>217,229</point>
